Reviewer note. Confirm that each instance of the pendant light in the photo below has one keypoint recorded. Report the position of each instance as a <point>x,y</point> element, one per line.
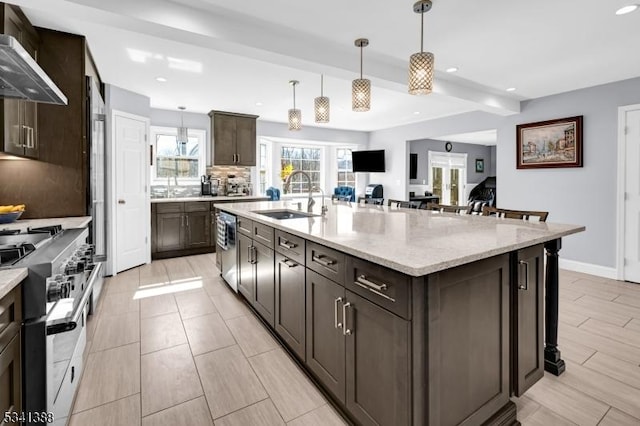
<point>361,87</point>
<point>295,115</point>
<point>421,64</point>
<point>321,104</point>
<point>183,133</point>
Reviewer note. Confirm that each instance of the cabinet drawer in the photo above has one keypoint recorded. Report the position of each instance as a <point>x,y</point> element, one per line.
<point>263,234</point>
<point>170,207</point>
<point>384,287</point>
<point>10,316</point>
<point>245,226</point>
<point>196,206</point>
<point>290,246</point>
<point>326,262</point>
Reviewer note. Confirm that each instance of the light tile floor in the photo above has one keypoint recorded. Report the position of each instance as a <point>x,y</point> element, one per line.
<point>171,345</point>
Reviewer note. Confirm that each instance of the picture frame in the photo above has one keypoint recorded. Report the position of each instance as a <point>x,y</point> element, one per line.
<point>479,165</point>
<point>549,144</point>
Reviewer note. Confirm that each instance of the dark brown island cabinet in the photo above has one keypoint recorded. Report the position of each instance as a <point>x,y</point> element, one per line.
<point>10,352</point>
<point>448,348</point>
<point>233,138</point>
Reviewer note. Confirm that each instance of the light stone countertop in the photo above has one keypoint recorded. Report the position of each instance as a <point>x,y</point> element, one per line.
<point>415,242</point>
<point>66,222</point>
<point>210,198</point>
<point>10,278</point>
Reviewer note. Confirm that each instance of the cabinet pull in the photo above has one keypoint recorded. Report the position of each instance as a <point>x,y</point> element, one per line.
<point>524,286</point>
<point>289,263</point>
<point>320,259</point>
<point>249,255</point>
<point>335,313</point>
<point>286,244</point>
<point>268,241</point>
<point>237,158</point>
<point>363,282</point>
<point>187,216</point>
<point>345,329</point>
<point>254,255</point>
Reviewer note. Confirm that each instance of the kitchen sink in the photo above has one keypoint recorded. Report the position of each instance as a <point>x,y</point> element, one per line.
<point>285,214</point>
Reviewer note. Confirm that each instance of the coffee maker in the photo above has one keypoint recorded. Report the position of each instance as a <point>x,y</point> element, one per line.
<point>205,185</point>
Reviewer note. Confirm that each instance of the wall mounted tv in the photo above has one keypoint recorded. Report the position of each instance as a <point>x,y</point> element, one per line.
<point>368,161</point>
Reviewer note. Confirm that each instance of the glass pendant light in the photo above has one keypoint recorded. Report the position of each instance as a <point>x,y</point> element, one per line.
<point>295,115</point>
<point>421,64</point>
<point>183,132</point>
<point>321,104</point>
<point>361,87</point>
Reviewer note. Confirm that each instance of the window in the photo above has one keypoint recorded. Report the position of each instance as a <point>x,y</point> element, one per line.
<point>346,177</point>
<point>182,161</point>
<point>263,168</point>
<point>304,159</point>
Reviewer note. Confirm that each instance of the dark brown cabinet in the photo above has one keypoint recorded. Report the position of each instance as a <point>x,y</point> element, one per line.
<point>170,232</point>
<point>10,355</point>
<point>180,228</point>
<point>264,295</point>
<point>290,303</point>
<point>197,230</point>
<point>234,138</point>
<point>246,283</point>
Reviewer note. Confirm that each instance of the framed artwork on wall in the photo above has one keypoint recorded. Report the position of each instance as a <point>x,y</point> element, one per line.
<point>547,144</point>
<point>479,165</point>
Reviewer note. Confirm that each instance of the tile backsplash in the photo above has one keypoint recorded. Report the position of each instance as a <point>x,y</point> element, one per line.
<point>216,172</point>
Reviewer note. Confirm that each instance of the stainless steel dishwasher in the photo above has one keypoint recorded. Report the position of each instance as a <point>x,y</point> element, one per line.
<point>228,253</point>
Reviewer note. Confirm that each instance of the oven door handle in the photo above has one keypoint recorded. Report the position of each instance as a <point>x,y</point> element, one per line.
<point>77,314</point>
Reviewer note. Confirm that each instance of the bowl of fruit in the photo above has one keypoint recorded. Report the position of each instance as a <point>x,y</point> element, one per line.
<point>10,214</point>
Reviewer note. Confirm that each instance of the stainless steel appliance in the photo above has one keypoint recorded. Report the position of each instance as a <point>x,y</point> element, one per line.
<point>226,249</point>
<point>205,185</point>
<point>373,191</point>
<point>56,298</point>
<point>238,186</point>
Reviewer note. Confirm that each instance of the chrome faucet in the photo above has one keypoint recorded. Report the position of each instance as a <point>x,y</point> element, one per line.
<point>287,184</point>
<point>324,207</point>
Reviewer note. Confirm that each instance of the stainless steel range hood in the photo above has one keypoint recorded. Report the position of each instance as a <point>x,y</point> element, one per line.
<point>21,77</point>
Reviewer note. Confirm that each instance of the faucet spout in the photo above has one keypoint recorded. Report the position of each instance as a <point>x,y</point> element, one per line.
<point>287,184</point>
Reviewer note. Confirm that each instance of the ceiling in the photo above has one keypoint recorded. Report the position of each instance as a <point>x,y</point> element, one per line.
<point>218,54</point>
<point>484,137</point>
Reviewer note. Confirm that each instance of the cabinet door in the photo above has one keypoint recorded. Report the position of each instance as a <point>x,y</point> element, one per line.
<point>246,282</point>
<point>290,303</point>
<point>246,141</point>
<point>224,139</point>
<point>29,109</point>
<point>198,232</point>
<point>264,296</point>
<point>170,231</point>
<point>10,380</point>
<point>325,355</point>
<point>528,317</point>
<point>378,359</point>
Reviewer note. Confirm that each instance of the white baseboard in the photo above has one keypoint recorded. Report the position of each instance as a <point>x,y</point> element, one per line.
<point>589,268</point>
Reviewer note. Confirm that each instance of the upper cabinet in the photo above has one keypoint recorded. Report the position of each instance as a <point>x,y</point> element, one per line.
<point>19,118</point>
<point>233,138</point>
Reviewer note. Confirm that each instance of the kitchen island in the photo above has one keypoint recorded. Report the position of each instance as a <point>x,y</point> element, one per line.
<point>406,316</point>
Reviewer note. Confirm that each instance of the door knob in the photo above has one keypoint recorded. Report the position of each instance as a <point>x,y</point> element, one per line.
<point>122,202</point>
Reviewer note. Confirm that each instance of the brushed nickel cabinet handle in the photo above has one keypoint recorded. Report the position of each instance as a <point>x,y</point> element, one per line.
<point>373,287</point>
<point>524,286</point>
<point>335,313</point>
<point>346,331</point>
<point>320,259</point>
<point>289,263</point>
<point>286,244</point>
<point>362,279</point>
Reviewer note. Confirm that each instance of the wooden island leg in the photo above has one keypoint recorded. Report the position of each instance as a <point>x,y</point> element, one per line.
<point>552,361</point>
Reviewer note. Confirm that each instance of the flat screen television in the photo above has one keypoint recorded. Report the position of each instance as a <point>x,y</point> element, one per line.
<point>368,161</point>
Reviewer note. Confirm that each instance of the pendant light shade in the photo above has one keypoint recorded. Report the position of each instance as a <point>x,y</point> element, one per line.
<point>321,105</point>
<point>361,87</point>
<point>421,64</point>
<point>295,115</point>
<point>183,133</point>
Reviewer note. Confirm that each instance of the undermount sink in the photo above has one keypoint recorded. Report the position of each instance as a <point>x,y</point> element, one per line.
<point>285,214</point>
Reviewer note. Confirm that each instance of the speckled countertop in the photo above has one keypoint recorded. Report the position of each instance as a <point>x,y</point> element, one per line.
<point>66,222</point>
<point>9,278</point>
<point>210,198</point>
<point>415,242</point>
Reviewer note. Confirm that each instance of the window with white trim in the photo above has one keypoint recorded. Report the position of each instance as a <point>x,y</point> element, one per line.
<point>305,159</point>
<point>344,165</point>
<point>263,168</point>
<point>184,162</point>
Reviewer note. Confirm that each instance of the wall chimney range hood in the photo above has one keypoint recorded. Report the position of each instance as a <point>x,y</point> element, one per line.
<point>21,77</point>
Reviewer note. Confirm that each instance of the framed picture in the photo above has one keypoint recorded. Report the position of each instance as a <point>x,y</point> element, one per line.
<point>479,165</point>
<point>553,143</point>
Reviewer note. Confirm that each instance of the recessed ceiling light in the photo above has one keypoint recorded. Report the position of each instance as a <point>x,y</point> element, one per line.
<point>511,89</point>
<point>416,113</point>
<point>452,69</point>
<point>258,103</point>
<point>161,79</point>
<point>626,9</point>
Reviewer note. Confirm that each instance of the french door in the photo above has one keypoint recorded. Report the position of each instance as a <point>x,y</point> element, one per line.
<point>448,177</point>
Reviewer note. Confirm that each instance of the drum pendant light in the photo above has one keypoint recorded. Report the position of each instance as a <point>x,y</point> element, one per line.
<point>421,64</point>
<point>295,115</point>
<point>361,87</point>
<point>321,104</point>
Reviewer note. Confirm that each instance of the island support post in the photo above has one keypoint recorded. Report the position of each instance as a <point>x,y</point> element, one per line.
<point>553,363</point>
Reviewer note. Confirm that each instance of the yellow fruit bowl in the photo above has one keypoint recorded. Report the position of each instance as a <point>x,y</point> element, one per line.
<point>10,216</point>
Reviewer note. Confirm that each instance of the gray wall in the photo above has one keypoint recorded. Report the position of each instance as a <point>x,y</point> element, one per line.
<point>127,101</point>
<point>494,160</point>
<point>473,151</point>
<point>192,120</point>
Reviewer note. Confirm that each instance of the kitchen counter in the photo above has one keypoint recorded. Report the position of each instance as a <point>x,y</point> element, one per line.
<point>66,222</point>
<point>9,278</point>
<point>209,198</point>
<point>415,242</point>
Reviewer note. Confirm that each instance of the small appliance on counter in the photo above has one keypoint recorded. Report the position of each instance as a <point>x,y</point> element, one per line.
<point>205,185</point>
<point>373,191</point>
<point>238,186</point>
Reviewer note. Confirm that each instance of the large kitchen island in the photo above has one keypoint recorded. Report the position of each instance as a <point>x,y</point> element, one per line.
<point>405,317</point>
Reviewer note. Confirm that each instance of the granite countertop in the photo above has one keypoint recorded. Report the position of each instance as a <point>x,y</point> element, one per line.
<point>209,198</point>
<point>66,222</point>
<point>10,278</point>
<point>415,242</point>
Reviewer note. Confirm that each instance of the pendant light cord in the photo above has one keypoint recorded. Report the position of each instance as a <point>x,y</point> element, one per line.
<point>321,85</point>
<point>422,31</point>
<point>360,61</point>
<point>294,96</point>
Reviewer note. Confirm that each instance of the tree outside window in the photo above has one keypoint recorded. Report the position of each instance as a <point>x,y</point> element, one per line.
<point>304,159</point>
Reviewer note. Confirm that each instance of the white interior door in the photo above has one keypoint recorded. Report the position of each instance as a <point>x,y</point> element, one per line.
<point>132,205</point>
<point>448,177</point>
<point>631,232</point>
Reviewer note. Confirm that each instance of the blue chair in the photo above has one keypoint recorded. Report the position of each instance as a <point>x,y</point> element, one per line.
<point>344,193</point>
<point>273,193</point>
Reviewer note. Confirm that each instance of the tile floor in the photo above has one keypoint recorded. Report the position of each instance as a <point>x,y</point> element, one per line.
<point>170,344</point>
